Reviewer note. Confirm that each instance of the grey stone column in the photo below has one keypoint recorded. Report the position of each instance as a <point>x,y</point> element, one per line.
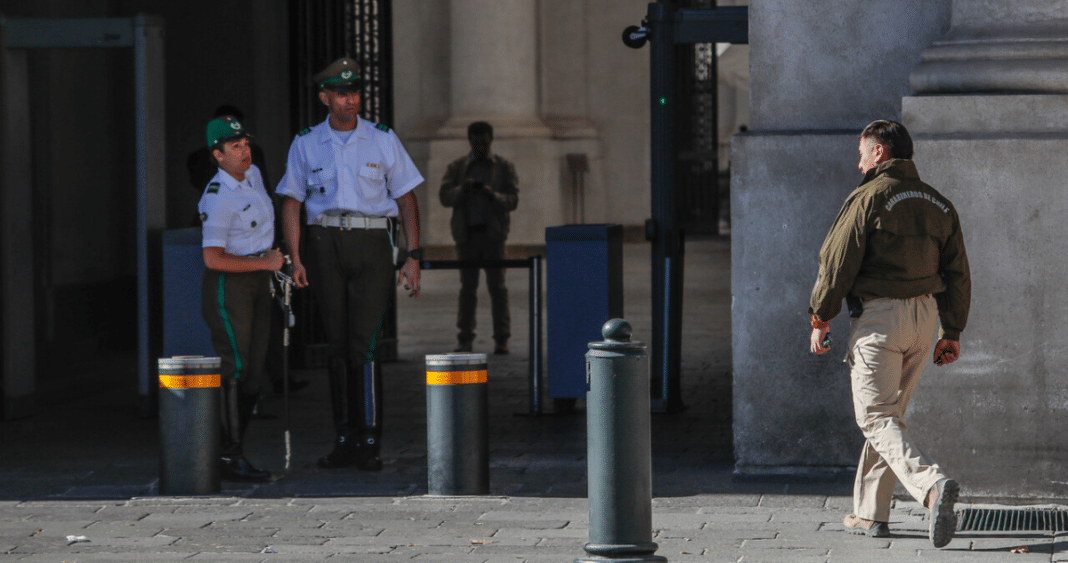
<point>990,125</point>
<point>998,46</point>
<point>495,75</point>
<point>494,68</point>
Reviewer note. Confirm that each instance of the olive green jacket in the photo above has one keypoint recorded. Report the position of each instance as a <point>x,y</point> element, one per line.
<point>502,201</point>
<point>895,237</point>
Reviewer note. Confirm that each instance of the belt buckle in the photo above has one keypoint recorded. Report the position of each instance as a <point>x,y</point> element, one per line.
<point>344,223</point>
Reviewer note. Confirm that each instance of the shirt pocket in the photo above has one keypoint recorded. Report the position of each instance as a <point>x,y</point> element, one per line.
<point>372,174</point>
<point>372,183</point>
<point>252,218</point>
<point>322,183</point>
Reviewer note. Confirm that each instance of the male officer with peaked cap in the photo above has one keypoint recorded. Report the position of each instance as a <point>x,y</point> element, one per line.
<point>238,233</point>
<point>352,176</point>
<point>896,254</point>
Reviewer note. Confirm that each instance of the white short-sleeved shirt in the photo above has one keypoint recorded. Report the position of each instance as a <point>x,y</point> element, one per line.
<point>364,175</point>
<point>237,216</point>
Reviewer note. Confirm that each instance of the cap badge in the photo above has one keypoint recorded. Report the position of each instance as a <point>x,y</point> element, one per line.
<point>346,74</point>
<point>235,125</point>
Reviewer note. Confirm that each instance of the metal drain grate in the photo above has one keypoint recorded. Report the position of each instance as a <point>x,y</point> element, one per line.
<point>1012,520</point>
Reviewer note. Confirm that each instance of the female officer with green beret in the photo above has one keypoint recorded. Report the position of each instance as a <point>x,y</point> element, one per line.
<point>238,231</point>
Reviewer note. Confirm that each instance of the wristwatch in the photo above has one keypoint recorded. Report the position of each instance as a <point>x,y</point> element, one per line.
<point>417,254</point>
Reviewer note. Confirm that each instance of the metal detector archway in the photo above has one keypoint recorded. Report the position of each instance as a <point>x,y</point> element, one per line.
<point>664,28</point>
<point>144,34</point>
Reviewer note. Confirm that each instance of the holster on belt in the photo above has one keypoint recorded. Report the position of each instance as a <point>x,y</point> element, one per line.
<point>855,305</point>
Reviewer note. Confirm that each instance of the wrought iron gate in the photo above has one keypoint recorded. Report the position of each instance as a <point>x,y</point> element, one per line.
<point>322,31</point>
<point>696,132</point>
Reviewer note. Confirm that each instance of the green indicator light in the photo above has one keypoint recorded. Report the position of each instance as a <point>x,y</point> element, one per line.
<point>663,101</point>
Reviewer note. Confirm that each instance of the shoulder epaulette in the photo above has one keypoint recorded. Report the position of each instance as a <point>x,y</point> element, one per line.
<point>213,188</point>
<point>382,127</point>
<point>304,131</point>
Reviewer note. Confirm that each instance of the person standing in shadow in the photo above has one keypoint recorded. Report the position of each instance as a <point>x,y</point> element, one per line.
<point>482,189</point>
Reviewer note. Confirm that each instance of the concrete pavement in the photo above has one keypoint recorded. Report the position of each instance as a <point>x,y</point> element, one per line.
<point>79,482</point>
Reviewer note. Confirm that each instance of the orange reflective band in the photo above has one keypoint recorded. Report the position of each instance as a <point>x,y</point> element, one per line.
<point>190,381</point>
<point>455,377</point>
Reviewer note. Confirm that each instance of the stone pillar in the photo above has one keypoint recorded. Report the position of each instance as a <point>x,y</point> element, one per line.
<point>495,76</point>
<point>996,46</point>
<point>494,68</point>
<point>990,125</point>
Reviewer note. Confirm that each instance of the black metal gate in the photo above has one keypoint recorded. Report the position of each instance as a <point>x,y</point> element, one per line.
<point>696,132</point>
<point>322,31</point>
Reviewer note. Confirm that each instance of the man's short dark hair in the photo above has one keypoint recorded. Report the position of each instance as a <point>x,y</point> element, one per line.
<point>479,128</point>
<point>891,135</point>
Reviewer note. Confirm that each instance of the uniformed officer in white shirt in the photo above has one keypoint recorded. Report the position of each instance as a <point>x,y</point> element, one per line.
<point>238,231</point>
<point>352,176</point>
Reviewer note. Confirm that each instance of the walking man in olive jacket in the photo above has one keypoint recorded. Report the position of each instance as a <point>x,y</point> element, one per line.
<point>482,189</point>
<point>896,254</point>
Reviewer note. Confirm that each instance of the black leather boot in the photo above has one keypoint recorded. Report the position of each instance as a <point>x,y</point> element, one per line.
<point>341,405</point>
<point>237,413</point>
<point>344,452</point>
<point>236,468</point>
<point>369,400</point>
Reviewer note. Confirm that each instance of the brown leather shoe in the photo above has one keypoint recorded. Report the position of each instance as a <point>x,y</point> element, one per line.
<point>856,525</point>
<point>501,349</point>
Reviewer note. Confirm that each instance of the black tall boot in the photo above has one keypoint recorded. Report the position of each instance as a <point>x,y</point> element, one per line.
<point>369,400</point>
<point>342,407</point>
<point>237,413</point>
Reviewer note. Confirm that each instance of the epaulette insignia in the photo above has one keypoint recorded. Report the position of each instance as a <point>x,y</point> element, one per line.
<point>304,132</point>
<point>382,127</point>
<point>213,188</point>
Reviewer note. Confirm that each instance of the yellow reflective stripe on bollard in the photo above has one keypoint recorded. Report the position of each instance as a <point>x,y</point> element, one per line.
<point>455,377</point>
<point>190,381</point>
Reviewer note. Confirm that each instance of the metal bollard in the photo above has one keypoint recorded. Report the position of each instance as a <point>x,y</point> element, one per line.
<point>189,431</point>
<point>619,449</point>
<point>457,424</point>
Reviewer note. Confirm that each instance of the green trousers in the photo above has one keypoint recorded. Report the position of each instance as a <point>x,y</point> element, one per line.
<point>237,308</point>
<point>351,273</point>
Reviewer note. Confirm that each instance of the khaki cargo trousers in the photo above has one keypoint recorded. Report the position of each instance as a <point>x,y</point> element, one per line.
<point>889,345</point>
